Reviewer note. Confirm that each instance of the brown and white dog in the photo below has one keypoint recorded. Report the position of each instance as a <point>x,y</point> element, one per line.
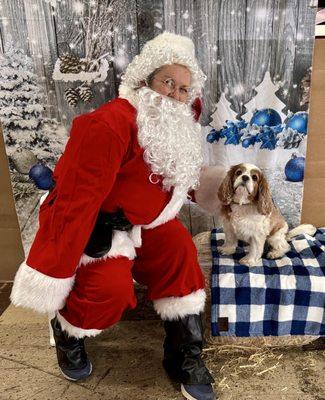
<point>249,214</point>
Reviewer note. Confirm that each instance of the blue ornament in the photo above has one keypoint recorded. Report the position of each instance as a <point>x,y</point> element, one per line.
<point>294,169</point>
<point>251,140</point>
<point>213,136</point>
<point>42,176</point>
<point>210,137</point>
<point>266,116</point>
<point>298,122</point>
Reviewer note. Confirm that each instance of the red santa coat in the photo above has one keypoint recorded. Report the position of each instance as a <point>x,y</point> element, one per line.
<point>102,168</point>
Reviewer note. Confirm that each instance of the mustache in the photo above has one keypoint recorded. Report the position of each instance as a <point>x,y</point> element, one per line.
<point>151,97</point>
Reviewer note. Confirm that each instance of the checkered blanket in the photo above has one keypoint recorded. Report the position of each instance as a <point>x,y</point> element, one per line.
<point>277,297</point>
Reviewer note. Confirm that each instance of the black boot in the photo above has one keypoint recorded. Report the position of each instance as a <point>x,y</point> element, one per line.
<point>72,357</point>
<point>182,357</point>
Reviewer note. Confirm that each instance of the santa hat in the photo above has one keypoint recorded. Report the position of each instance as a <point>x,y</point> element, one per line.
<point>166,48</point>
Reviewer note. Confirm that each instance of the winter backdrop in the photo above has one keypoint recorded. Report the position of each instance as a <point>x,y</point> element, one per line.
<point>61,58</point>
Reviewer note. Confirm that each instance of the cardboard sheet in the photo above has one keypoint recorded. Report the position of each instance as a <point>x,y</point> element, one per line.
<point>313,203</point>
<point>11,248</point>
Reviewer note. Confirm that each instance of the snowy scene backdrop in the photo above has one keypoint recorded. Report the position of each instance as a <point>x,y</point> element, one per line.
<point>60,58</point>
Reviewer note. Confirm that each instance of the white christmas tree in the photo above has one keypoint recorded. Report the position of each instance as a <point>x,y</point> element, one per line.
<point>21,108</point>
<point>265,98</point>
<point>20,96</point>
<point>222,113</point>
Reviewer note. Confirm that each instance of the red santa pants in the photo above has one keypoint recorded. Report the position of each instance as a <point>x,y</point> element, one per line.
<point>166,263</point>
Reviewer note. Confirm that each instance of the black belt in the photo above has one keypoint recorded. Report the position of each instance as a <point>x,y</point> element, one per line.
<point>100,240</point>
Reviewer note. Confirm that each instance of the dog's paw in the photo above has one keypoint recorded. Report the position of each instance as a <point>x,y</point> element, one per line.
<point>275,254</point>
<point>227,250</point>
<point>250,262</point>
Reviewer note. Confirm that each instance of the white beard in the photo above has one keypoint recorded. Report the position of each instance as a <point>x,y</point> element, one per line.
<point>171,139</point>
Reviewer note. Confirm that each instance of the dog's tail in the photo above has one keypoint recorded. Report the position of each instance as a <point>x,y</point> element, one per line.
<point>303,228</point>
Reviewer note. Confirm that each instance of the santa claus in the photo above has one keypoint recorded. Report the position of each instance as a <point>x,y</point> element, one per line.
<point>139,153</point>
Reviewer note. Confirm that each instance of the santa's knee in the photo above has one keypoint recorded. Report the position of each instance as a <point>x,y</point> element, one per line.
<point>116,290</point>
<point>98,300</point>
<point>88,316</point>
<point>178,241</point>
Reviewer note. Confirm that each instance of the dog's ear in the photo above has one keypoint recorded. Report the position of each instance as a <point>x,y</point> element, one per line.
<point>226,189</point>
<point>264,198</point>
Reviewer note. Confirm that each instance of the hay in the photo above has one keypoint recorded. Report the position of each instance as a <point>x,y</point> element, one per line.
<point>234,365</point>
<point>228,366</point>
<point>229,363</point>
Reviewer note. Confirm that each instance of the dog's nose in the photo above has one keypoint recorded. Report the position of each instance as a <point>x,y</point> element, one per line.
<point>245,178</point>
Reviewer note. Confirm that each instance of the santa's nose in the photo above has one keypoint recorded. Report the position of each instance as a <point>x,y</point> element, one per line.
<point>245,178</point>
<point>175,95</point>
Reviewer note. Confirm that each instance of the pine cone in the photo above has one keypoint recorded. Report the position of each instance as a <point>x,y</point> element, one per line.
<point>72,96</point>
<point>291,140</point>
<point>85,93</point>
<point>70,63</point>
<point>305,87</point>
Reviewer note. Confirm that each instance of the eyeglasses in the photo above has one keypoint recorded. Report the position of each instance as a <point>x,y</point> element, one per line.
<point>170,84</point>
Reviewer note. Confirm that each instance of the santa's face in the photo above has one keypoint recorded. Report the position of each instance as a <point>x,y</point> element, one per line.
<point>171,138</point>
<point>173,81</point>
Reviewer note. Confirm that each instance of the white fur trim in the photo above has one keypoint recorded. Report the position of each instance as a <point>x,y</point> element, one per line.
<point>172,208</point>
<point>129,94</point>
<point>206,196</point>
<point>122,245</point>
<point>50,316</point>
<point>40,292</point>
<point>135,235</point>
<point>170,308</point>
<point>43,197</point>
<point>74,331</point>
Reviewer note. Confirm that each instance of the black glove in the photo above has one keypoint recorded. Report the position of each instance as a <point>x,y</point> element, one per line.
<point>100,240</point>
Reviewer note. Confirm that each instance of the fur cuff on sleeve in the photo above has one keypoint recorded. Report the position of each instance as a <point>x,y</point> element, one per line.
<point>42,293</point>
<point>206,196</point>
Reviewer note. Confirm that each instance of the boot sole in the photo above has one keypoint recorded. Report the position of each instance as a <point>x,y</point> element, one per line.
<point>187,395</point>
<point>74,380</point>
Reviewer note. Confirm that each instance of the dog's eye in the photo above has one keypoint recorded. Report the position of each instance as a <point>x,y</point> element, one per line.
<point>238,173</point>
<point>254,177</point>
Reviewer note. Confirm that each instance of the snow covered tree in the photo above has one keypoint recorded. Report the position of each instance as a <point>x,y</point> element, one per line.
<point>20,96</point>
<point>21,108</point>
<point>265,98</point>
<point>222,113</point>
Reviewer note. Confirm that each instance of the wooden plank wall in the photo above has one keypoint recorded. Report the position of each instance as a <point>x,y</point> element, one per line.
<point>236,42</point>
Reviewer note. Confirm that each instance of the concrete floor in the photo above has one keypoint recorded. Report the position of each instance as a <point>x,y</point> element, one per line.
<point>126,362</point>
<point>127,366</point>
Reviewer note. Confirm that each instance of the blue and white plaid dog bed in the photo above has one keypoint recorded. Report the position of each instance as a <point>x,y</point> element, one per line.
<point>277,297</point>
